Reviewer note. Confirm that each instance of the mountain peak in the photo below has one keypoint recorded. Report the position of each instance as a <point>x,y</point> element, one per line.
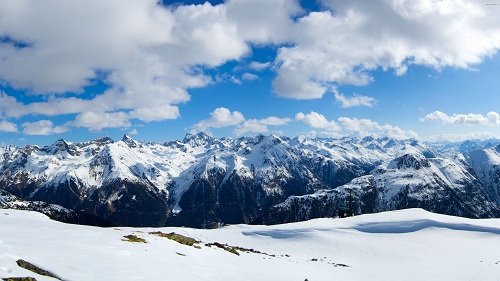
<point>200,138</point>
<point>106,139</point>
<point>129,141</point>
<point>60,145</point>
<point>468,146</point>
<point>409,161</point>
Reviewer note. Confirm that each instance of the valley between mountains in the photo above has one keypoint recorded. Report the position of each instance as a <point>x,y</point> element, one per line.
<point>207,182</point>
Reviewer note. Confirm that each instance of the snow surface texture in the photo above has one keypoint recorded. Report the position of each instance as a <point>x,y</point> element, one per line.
<point>401,245</point>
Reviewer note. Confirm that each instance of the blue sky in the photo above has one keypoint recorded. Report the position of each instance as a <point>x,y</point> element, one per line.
<point>79,70</point>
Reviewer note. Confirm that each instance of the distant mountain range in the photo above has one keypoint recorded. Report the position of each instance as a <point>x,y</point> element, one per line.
<point>206,182</point>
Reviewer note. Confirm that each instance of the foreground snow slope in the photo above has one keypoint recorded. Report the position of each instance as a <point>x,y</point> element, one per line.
<point>401,245</point>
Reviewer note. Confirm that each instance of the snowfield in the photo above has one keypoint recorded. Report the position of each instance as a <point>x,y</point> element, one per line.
<point>400,245</point>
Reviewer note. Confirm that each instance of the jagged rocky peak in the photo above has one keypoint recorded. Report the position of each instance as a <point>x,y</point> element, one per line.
<point>198,139</point>
<point>409,161</point>
<point>367,139</point>
<point>61,145</point>
<point>103,140</point>
<point>267,141</point>
<point>28,149</point>
<point>129,141</point>
<point>391,143</point>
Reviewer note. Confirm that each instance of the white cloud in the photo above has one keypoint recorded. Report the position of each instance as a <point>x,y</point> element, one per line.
<point>317,121</point>
<point>8,127</point>
<point>147,53</point>
<point>221,117</point>
<point>207,35</point>
<point>249,76</point>
<point>492,118</point>
<point>259,66</point>
<point>97,121</point>
<point>357,125</point>
<point>133,132</point>
<point>343,44</point>
<point>263,21</point>
<point>365,127</point>
<point>42,127</point>
<point>156,113</point>
<point>260,125</point>
<point>355,100</point>
<point>150,55</point>
<point>59,36</point>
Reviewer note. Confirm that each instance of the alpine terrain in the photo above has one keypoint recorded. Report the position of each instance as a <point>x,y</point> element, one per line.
<point>206,182</point>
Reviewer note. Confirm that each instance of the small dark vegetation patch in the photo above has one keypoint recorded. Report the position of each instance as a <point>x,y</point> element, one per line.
<point>235,249</point>
<point>226,247</point>
<point>184,240</point>
<point>19,279</point>
<point>33,268</point>
<point>133,238</point>
<point>325,260</point>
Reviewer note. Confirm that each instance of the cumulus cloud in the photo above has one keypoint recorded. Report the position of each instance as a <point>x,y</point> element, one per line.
<point>342,44</point>
<point>365,127</point>
<point>156,113</point>
<point>355,100</point>
<point>317,121</point>
<point>263,21</point>
<point>221,117</point>
<point>133,132</point>
<point>97,121</point>
<point>42,127</point>
<point>260,125</point>
<point>150,55</point>
<point>144,51</point>
<point>259,66</point>
<point>492,118</point>
<point>61,56</point>
<point>8,127</point>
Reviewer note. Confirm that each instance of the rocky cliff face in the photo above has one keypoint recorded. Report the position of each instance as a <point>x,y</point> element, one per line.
<point>409,181</point>
<point>55,212</point>
<point>206,182</point>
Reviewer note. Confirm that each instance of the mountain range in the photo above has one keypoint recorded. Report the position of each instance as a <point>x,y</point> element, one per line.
<point>206,182</point>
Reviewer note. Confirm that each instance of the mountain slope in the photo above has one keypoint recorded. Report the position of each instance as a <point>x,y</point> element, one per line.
<point>410,181</point>
<point>206,182</point>
<point>55,212</point>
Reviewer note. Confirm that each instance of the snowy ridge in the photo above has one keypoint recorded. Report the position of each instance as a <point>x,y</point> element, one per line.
<point>436,184</point>
<point>203,181</point>
<point>485,164</point>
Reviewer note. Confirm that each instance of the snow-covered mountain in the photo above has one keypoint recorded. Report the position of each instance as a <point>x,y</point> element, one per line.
<point>450,149</point>
<point>205,182</point>
<point>436,184</point>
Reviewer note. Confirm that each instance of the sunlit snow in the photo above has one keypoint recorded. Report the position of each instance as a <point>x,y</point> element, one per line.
<point>400,245</point>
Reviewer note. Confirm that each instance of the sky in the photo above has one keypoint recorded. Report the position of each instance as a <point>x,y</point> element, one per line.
<point>82,69</point>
